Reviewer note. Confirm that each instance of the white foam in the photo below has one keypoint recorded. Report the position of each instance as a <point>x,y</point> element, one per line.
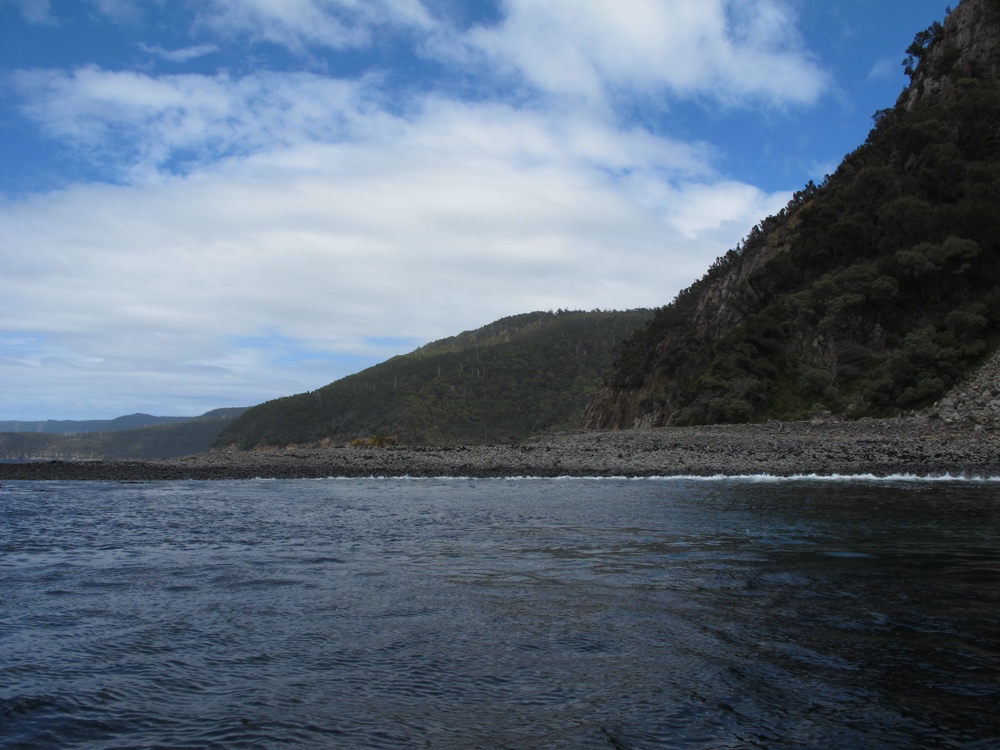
<point>836,478</point>
<point>772,478</point>
<point>755,478</point>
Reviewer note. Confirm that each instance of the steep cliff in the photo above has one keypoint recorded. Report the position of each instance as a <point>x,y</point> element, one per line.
<point>873,293</point>
<point>966,46</point>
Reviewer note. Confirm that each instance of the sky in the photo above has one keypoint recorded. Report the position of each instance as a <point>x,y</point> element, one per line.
<point>209,203</point>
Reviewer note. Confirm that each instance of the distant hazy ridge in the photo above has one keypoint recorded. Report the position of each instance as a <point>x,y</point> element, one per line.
<point>135,436</point>
<point>69,426</point>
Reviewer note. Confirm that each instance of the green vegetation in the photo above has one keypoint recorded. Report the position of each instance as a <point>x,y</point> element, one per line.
<point>501,383</point>
<point>881,287</point>
<point>176,438</point>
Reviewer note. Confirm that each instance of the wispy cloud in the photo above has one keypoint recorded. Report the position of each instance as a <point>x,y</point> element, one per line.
<point>730,51</point>
<point>179,55</point>
<point>296,24</point>
<point>884,69</point>
<point>35,11</point>
<point>123,11</point>
<point>132,123</point>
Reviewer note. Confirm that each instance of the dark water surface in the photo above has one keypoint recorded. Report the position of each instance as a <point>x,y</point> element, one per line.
<point>500,614</point>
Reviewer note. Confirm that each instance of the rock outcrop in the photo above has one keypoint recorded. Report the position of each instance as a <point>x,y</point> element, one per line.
<point>966,46</point>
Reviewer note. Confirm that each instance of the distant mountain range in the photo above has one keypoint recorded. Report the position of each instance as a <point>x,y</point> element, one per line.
<point>500,383</point>
<point>69,426</point>
<point>137,436</point>
<point>868,295</point>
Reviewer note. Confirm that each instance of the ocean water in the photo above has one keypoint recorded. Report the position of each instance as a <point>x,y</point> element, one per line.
<point>451,613</point>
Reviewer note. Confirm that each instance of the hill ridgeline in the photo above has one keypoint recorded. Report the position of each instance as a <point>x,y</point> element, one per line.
<point>501,383</point>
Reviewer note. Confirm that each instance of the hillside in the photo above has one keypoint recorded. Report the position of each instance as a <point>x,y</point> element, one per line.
<point>180,436</point>
<point>871,294</point>
<point>500,383</point>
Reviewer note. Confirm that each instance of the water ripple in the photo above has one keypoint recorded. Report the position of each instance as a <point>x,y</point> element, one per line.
<point>499,614</point>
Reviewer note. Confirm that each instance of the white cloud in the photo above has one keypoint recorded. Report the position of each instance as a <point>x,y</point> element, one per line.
<point>135,123</point>
<point>124,11</point>
<point>884,69</point>
<point>142,124</point>
<point>35,11</point>
<point>337,224</point>
<point>179,55</point>
<point>295,24</point>
<point>730,50</point>
<point>735,50</point>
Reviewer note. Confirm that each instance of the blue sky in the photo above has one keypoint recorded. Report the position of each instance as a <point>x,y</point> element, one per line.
<point>215,203</point>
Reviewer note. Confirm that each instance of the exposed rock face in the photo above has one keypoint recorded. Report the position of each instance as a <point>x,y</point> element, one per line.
<point>719,302</point>
<point>968,46</point>
<point>726,301</point>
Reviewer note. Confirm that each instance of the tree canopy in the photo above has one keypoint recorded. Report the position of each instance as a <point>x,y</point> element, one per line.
<point>500,383</point>
<point>880,288</point>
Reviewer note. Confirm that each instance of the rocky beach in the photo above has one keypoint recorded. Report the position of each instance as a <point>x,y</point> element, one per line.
<point>915,445</point>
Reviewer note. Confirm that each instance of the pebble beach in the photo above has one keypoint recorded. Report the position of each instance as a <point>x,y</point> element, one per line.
<point>915,446</point>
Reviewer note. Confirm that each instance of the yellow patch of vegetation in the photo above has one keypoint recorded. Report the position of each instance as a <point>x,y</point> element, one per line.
<point>379,441</point>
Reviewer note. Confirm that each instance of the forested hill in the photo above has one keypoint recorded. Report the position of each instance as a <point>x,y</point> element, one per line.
<point>870,294</point>
<point>500,383</point>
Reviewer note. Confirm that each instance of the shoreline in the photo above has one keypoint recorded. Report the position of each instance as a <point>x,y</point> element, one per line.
<point>905,446</point>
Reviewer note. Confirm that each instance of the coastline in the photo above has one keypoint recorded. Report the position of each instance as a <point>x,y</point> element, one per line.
<point>915,446</point>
